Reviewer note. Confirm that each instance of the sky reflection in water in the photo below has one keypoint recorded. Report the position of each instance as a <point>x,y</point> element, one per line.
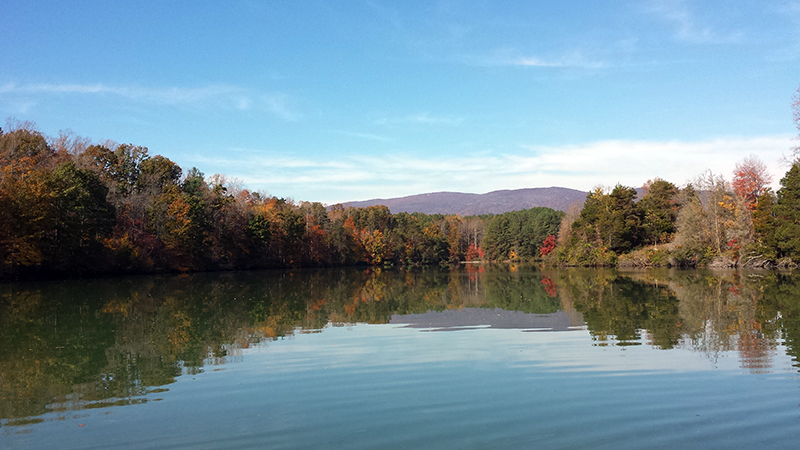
<point>223,361</point>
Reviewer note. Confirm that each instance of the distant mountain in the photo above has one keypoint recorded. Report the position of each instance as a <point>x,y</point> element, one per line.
<point>496,202</point>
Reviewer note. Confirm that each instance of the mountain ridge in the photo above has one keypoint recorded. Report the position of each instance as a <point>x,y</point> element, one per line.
<point>467,204</point>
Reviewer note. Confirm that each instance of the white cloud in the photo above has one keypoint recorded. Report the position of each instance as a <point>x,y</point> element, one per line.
<point>631,163</point>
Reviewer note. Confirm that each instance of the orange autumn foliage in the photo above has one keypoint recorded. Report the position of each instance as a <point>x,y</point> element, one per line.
<point>750,180</point>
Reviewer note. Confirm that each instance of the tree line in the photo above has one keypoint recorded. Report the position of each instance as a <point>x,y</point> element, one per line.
<point>709,222</point>
<point>72,207</point>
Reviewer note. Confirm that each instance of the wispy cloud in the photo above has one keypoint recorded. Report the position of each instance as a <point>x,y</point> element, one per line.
<point>631,163</point>
<point>172,95</point>
<point>215,95</point>
<point>573,59</point>
<point>258,160</point>
<point>422,118</point>
<point>686,25</point>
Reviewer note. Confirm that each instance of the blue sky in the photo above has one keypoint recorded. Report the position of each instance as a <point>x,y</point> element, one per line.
<point>333,101</point>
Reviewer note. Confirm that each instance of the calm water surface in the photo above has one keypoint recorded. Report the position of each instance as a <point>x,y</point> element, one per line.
<point>477,357</point>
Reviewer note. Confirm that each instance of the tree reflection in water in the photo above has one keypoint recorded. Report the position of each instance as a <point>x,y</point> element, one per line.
<point>72,345</point>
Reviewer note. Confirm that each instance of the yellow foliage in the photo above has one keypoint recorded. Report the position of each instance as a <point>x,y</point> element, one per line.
<point>432,230</point>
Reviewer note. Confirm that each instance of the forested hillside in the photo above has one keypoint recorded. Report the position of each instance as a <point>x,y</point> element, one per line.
<point>70,207</point>
<point>495,202</point>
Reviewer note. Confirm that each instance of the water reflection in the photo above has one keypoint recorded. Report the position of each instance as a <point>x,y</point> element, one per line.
<point>709,312</point>
<point>69,346</point>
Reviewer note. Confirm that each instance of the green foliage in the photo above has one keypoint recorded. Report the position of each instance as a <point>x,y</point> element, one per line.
<point>259,230</point>
<point>194,183</point>
<point>156,173</point>
<point>118,168</point>
<point>519,234</point>
<point>608,225</point>
<point>82,218</point>
<point>659,208</point>
<point>372,218</point>
<point>787,212</point>
<point>765,225</point>
<point>620,226</point>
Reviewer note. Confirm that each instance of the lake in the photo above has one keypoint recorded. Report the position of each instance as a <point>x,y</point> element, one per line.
<point>475,357</point>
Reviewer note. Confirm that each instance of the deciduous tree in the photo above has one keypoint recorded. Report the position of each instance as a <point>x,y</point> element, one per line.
<point>750,180</point>
<point>548,245</point>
